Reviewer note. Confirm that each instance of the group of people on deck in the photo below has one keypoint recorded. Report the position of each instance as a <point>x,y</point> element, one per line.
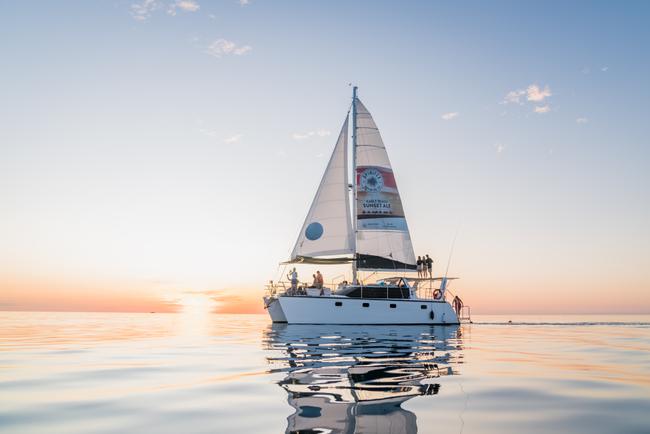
<point>293,278</point>
<point>425,266</point>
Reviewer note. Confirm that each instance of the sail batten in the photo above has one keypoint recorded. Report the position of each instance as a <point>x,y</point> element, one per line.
<point>327,229</point>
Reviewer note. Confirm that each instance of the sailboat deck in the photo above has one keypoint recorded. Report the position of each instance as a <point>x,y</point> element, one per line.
<point>365,292</point>
<point>344,297</point>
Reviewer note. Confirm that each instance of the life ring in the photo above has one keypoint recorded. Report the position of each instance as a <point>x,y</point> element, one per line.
<point>437,294</point>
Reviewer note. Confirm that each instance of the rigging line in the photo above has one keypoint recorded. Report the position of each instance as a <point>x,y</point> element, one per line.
<point>282,272</point>
<point>451,251</point>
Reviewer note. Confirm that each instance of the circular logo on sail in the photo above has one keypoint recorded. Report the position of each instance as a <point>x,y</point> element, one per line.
<point>314,231</point>
<point>371,180</point>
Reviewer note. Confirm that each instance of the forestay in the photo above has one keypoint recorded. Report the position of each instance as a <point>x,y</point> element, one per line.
<point>327,230</point>
<point>383,241</point>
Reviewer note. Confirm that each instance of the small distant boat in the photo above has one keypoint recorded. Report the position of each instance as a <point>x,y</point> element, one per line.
<point>372,237</point>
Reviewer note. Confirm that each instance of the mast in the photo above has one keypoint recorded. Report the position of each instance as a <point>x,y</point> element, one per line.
<point>354,182</point>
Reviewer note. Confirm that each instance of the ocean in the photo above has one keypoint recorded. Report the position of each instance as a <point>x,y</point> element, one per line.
<point>208,373</point>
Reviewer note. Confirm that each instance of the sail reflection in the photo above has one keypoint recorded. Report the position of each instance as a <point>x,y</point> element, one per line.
<point>347,379</point>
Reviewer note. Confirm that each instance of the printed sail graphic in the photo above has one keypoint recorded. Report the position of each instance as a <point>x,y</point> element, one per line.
<point>378,203</point>
<point>327,230</point>
<point>383,241</point>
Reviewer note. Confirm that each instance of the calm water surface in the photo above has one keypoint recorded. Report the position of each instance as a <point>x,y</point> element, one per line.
<point>207,373</point>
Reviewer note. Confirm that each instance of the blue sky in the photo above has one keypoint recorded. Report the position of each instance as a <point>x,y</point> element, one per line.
<point>182,142</point>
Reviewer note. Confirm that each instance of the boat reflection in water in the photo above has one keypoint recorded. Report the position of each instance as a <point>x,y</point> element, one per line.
<point>351,379</point>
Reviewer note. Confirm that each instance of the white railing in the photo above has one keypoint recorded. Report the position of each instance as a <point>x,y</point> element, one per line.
<point>427,291</point>
<point>283,287</point>
<point>465,314</point>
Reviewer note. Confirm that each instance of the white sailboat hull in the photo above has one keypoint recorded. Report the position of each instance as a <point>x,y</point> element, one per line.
<point>324,310</point>
<point>272,305</point>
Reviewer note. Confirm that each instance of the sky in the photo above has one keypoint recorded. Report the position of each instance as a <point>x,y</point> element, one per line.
<point>157,154</point>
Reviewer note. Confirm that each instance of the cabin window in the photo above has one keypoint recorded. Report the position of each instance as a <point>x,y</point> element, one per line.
<point>423,306</point>
<point>379,292</point>
<point>398,293</point>
<point>338,303</point>
<point>393,305</point>
<point>366,304</point>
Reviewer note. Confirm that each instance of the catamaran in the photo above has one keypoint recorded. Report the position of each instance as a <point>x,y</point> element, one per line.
<point>372,237</point>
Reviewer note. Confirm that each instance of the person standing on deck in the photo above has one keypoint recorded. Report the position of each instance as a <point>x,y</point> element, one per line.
<point>319,280</point>
<point>293,278</point>
<point>419,264</point>
<point>429,262</point>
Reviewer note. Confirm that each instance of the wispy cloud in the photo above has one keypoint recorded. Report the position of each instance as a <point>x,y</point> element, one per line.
<point>532,93</point>
<point>188,5</point>
<point>514,96</point>
<point>449,116</point>
<point>499,147</point>
<point>213,134</point>
<point>233,139</point>
<point>308,134</point>
<point>582,120</point>
<point>142,11</point>
<point>223,47</point>
<point>184,5</point>
<point>244,2</point>
<point>535,94</point>
<point>604,68</point>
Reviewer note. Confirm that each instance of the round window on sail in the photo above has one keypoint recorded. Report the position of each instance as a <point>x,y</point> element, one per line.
<point>314,231</point>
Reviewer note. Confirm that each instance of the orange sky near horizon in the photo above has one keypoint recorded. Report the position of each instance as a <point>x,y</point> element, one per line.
<point>503,297</point>
<point>152,171</point>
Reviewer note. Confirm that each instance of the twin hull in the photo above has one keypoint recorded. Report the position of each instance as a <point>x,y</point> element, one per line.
<point>345,310</point>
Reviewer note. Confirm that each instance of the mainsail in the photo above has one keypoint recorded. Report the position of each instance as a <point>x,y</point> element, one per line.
<point>327,230</point>
<point>383,241</point>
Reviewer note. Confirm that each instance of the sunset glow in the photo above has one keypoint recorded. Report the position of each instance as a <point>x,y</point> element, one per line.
<point>169,167</point>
